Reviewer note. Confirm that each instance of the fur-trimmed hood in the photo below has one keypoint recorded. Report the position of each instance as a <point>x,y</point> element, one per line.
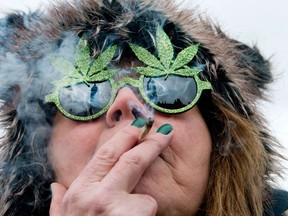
<point>233,66</point>
<point>238,74</point>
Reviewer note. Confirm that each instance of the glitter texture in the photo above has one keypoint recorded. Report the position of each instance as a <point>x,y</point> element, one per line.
<point>166,64</point>
<point>87,71</point>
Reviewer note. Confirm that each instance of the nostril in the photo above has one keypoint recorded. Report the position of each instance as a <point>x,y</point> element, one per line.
<point>117,115</point>
<point>136,113</point>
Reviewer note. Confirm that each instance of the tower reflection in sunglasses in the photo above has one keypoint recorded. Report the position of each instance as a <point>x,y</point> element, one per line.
<point>168,94</point>
<point>173,92</point>
<point>165,82</point>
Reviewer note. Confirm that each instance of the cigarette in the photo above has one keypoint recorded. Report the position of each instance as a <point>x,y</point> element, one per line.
<point>146,128</point>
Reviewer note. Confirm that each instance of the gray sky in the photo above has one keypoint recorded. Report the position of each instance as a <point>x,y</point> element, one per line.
<point>254,22</point>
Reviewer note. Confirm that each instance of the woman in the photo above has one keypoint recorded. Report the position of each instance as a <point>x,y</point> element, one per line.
<point>83,80</point>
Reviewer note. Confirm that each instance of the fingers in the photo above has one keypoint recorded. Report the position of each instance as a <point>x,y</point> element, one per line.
<point>58,192</point>
<point>121,162</point>
<point>107,203</point>
<point>132,164</point>
<point>106,182</point>
<point>109,153</point>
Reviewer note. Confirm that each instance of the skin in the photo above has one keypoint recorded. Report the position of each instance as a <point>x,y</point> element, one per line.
<point>101,169</point>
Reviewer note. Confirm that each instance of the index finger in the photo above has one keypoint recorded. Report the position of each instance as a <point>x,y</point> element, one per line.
<point>129,169</point>
<point>109,153</point>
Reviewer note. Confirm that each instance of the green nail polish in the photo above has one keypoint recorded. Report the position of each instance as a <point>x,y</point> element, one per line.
<point>165,129</point>
<point>139,122</point>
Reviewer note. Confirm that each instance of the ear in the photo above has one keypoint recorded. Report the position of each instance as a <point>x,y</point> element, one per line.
<point>251,58</point>
<point>239,74</point>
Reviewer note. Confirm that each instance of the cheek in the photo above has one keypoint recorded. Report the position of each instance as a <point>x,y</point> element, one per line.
<point>70,150</point>
<point>198,155</point>
<point>194,140</point>
<point>193,145</point>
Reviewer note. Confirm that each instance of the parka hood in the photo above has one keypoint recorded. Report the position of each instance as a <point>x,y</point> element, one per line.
<point>238,73</point>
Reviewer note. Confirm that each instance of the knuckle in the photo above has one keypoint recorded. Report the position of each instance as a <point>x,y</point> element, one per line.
<point>107,154</point>
<point>93,203</point>
<point>100,202</point>
<point>70,199</point>
<point>132,160</point>
<point>129,134</point>
<point>103,199</point>
<point>157,143</point>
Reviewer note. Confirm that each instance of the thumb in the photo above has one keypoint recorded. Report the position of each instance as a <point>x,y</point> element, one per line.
<point>58,192</point>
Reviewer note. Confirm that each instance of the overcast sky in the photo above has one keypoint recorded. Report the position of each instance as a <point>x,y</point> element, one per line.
<point>257,21</point>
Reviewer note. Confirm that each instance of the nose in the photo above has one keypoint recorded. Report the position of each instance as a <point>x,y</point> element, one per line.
<point>125,106</point>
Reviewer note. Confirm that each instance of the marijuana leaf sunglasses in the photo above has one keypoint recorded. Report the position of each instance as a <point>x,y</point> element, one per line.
<point>88,90</point>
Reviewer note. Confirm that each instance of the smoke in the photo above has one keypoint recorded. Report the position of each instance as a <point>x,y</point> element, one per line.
<point>26,74</point>
<point>32,77</point>
<point>141,110</point>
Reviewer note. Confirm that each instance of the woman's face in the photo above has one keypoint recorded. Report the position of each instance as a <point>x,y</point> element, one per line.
<point>177,179</point>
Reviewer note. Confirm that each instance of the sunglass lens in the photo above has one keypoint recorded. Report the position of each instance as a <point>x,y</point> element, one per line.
<point>85,99</point>
<point>172,92</point>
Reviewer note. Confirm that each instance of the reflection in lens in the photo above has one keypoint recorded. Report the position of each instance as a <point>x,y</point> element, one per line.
<point>85,99</point>
<point>173,92</point>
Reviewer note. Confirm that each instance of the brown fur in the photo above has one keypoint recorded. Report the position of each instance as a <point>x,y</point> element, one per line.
<point>240,171</point>
<point>243,158</point>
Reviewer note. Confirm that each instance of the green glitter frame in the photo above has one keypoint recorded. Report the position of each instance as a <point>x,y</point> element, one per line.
<point>201,85</point>
<point>96,71</point>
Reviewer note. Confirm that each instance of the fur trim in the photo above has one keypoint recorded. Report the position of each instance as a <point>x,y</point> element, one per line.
<point>238,73</point>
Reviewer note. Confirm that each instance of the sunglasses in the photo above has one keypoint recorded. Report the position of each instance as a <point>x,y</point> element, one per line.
<point>170,94</point>
<point>166,82</point>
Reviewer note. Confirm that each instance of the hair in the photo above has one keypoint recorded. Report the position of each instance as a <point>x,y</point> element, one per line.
<point>243,159</point>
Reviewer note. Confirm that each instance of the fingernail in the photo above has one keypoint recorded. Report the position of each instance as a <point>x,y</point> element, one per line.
<point>139,122</point>
<point>165,129</point>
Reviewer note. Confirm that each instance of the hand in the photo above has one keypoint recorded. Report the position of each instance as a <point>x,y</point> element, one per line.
<point>104,186</point>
